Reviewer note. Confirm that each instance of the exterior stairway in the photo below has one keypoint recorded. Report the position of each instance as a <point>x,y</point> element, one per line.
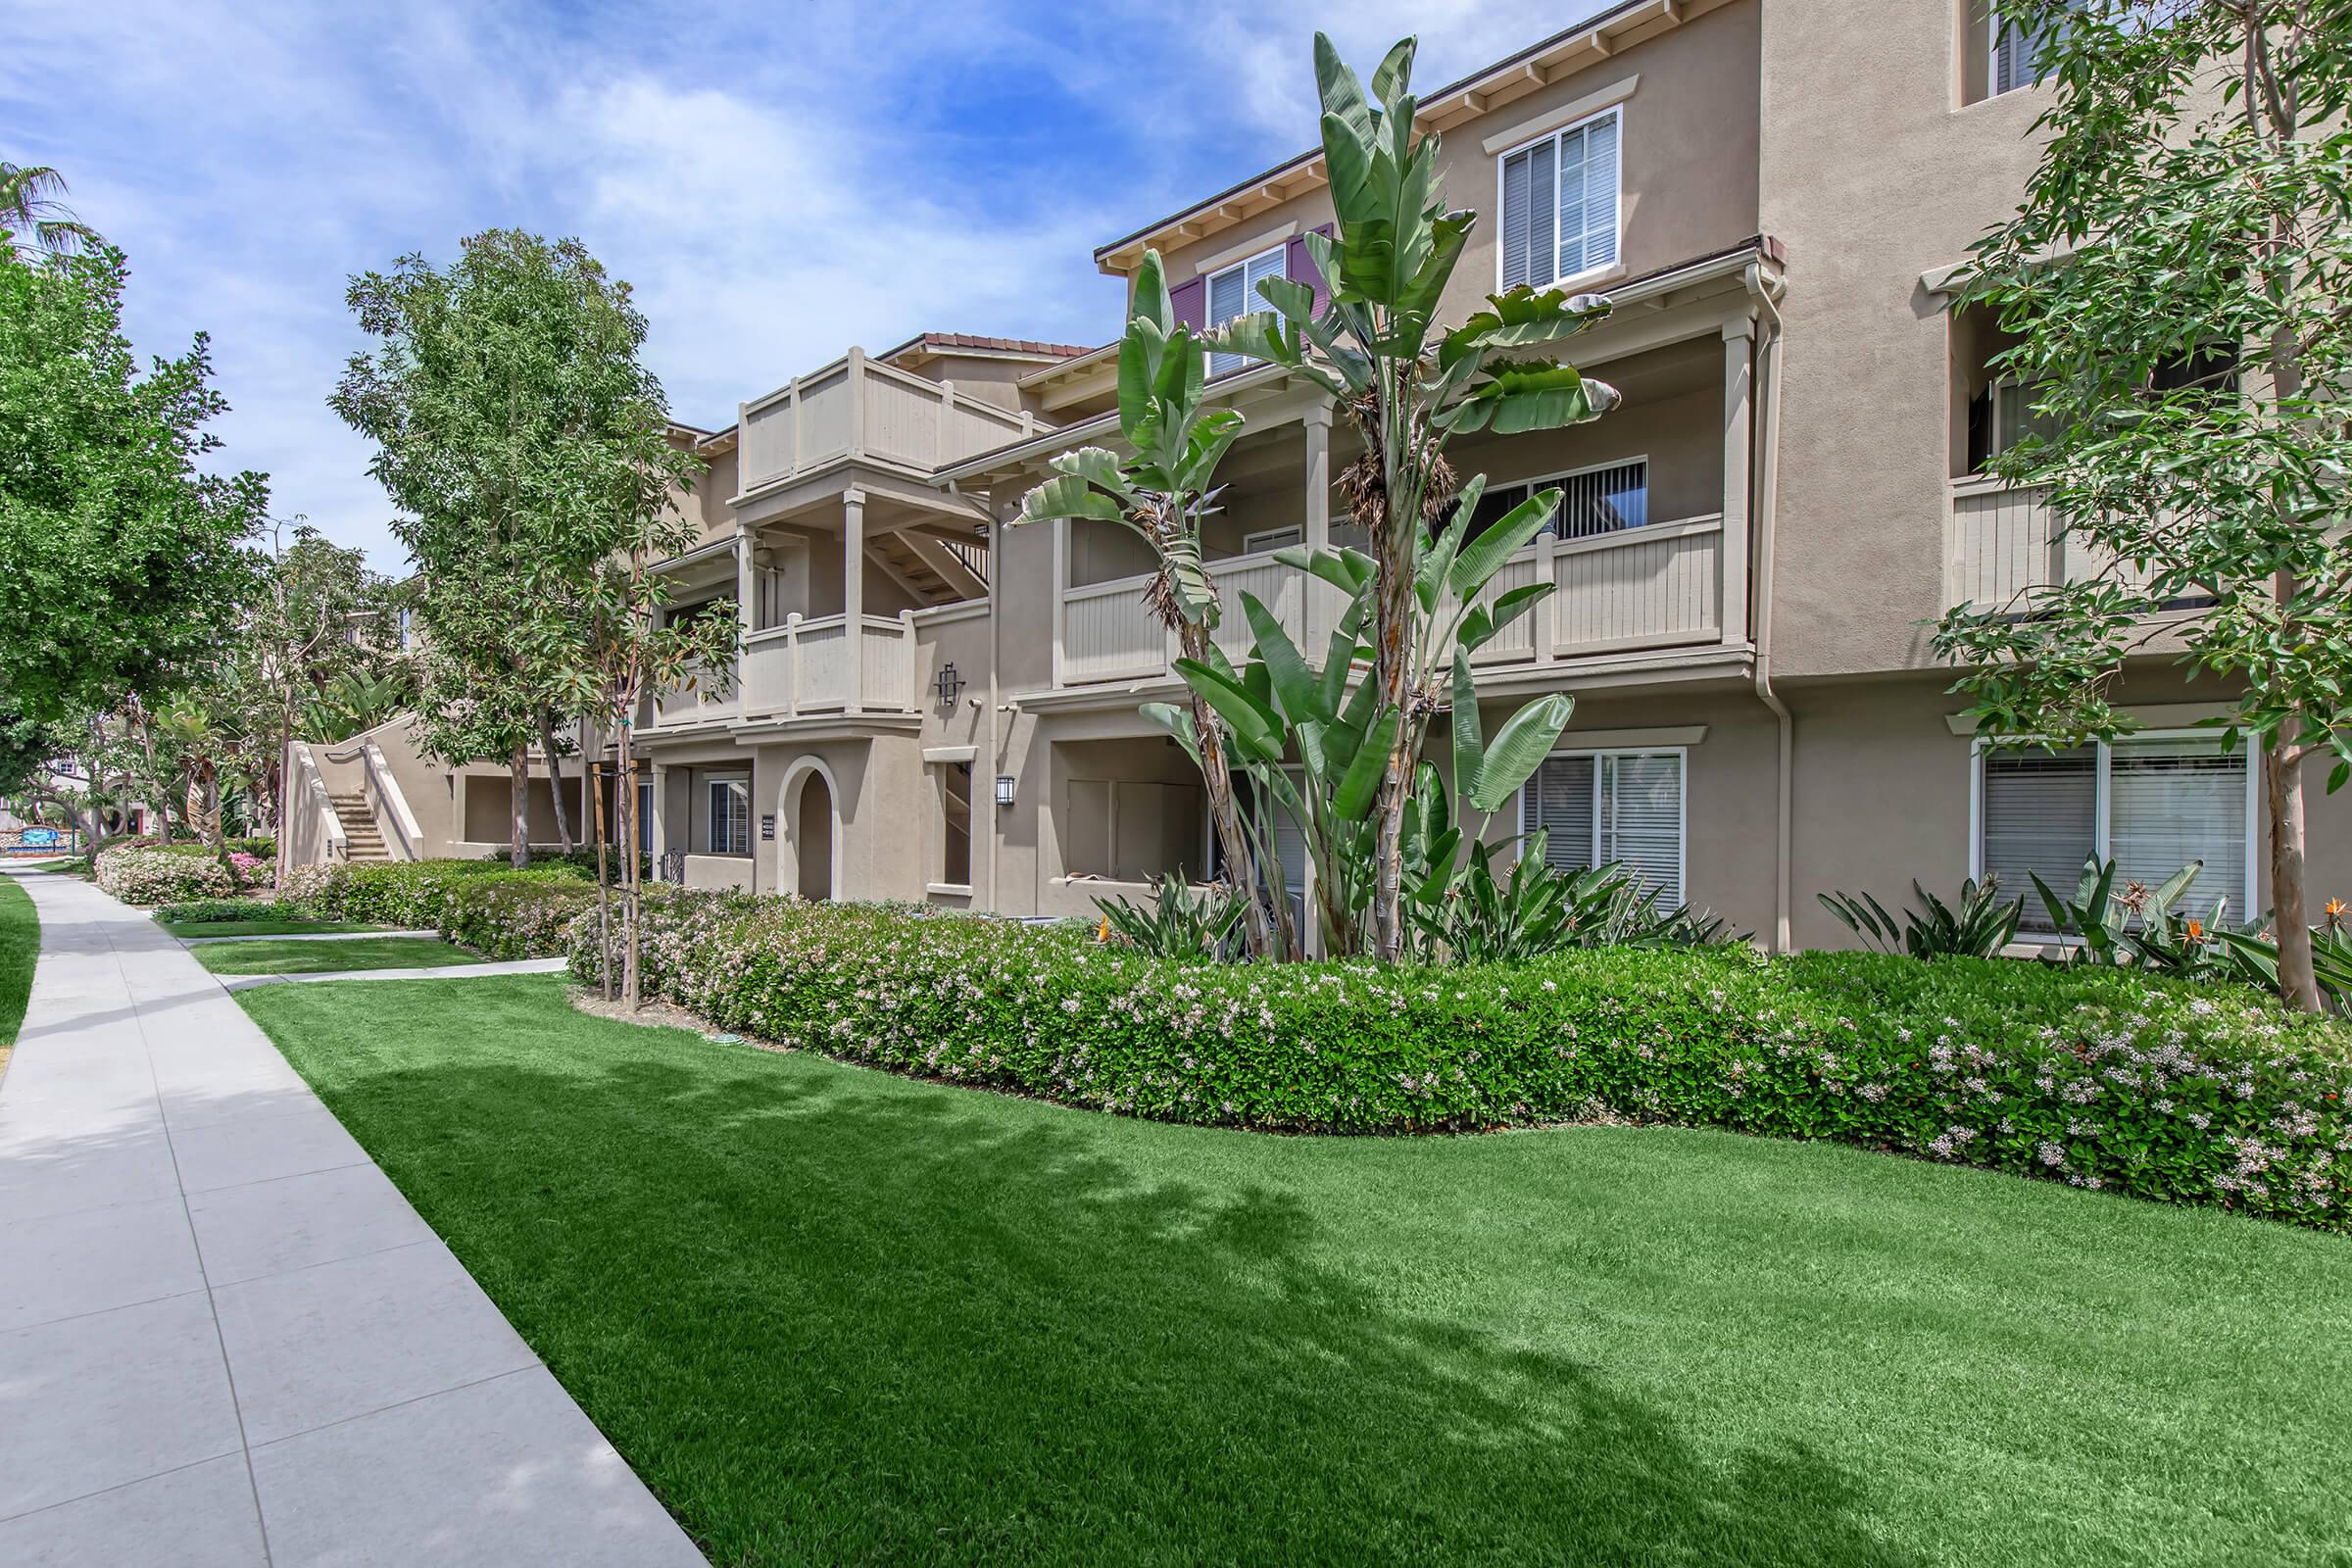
<point>359,827</point>
<point>921,567</point>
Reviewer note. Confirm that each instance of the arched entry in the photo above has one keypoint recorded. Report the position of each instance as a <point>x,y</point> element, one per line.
<point>810,806</point>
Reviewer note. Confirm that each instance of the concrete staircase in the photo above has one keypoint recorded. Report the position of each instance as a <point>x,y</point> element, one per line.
<point>359,827</point>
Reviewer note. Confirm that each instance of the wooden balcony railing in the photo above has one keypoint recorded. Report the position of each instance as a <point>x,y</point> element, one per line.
<point>803,667</point>
<point>860,407</point>
<point>1657,587</point>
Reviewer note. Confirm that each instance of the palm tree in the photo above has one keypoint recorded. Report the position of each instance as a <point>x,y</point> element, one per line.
<point>33,218</point>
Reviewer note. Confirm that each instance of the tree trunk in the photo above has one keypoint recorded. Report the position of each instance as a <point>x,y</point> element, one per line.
<point>518,807</point>
<point>1266,919</point>
<point>2282,783</point>
<point>604,887</point>
<point>215,839</point>
<point>632,865</point>
<point>555,778</point>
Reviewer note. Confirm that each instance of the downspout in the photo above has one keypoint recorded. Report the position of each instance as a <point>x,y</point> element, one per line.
<point>996,662</point>
<point>1767,507</point>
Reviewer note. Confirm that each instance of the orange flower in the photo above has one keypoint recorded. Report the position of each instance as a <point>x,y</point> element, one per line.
<point>1103,935</point>
<point>2196,930</point>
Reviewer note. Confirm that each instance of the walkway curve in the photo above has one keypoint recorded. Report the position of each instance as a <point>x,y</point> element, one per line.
<point>225,1338</point>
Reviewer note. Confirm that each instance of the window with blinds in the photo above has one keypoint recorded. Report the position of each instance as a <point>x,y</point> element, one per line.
<point>1601,807</point>
<point>1232,291</point>
<point>1593,501</point>
<point>1560,200</point>
<point>2151,803</point>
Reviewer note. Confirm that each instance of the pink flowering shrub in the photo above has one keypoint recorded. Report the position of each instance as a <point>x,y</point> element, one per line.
<point>147,873</point>
<point>2103,1078</point>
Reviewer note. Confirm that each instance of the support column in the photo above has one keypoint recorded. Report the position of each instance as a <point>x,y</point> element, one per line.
<point>747,583</point>
<point>1317,422</point>
<point>1738,458</point>
<point>658,816</point>
<point>852,593</point>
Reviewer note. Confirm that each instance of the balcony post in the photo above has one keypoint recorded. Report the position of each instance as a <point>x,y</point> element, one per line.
<point>855,380</point>
<point>940,437</point>
<point>747,600</point>
<point>658,823</point>
<point>1317,422</point>
<point>792,662</point>
<point>794,403</point>
<point>1062,590</point>
<point>1738,458</point>
<point>853,584</point>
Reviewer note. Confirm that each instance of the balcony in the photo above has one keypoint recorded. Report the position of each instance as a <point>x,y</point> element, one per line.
<point>1657,587</point>
<point>2002,542</point>
<point>860,408</point>
<point>805,666</point>
<point>706,696</point>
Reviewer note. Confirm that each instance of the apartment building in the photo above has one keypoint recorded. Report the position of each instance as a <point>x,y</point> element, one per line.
<point>1777,196</point>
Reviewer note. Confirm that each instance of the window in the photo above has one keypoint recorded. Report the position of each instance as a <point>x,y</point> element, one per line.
<point>2150,802</point>
<point>1272,539</point>
<point>1232,291</point>
<point>730,817</point>
<point>1599,807</point>
<point>645,817</point>
<point>956,807</point>
<point>1559,204</point>
<point>1593,501</point>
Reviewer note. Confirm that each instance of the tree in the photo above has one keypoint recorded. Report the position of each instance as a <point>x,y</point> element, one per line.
<point>1407,386</point>
<point>510,414</point>
<point>2178,278</point>
<point>33,218</point>
<point>121,565</point>
<point>1161,494</point>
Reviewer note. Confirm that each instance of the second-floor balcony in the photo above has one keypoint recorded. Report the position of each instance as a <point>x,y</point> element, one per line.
<point>802,669</point>
<point>860,408</point>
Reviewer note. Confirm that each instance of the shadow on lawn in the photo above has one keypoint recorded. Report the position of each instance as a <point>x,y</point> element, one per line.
<point>838,1318</point>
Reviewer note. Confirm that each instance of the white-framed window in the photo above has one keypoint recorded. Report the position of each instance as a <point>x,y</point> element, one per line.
<point>1232,291</point>
<point>2017,55</point>
<point>1560,202</point>
<point>645,817</point>
<point>1272,539</point>
<point>1603,806</point>
<point>2151,802</point>
<point>730,815</point>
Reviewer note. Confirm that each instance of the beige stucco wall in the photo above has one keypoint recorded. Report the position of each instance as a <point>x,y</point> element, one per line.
<point>1689,172</point>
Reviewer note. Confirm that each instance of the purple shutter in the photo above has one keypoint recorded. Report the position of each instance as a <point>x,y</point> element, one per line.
<point>1191,302</point>
<point>1299,266</point>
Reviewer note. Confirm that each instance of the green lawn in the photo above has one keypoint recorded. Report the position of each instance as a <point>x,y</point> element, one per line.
<point>262,928</point>
<point>19,947</point>
<point>264,956</point>
<point>833,1315</point>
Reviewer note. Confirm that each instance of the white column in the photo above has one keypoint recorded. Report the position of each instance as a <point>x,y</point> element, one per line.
<point>853,592</point>
<point>1739,345</point>
<point>1317,421</point>
<point>660,814</point>
<point>747,583</point>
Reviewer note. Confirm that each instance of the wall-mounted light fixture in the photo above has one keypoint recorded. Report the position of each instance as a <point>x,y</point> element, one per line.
<point>948,682</point>
<point>1003,789</point>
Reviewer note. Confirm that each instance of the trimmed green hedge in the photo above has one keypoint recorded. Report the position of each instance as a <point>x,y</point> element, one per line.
<point>2103,1078</point>
<point>482,905</point>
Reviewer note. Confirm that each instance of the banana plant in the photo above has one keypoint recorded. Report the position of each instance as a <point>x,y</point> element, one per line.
<point>2100,919</point>
<point>1160,494</point>
<point>1376,348</point>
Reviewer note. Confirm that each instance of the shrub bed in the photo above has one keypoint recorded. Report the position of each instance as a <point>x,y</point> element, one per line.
<point>143,873</point>
<point>483,904</point>
<point>2105,1079</point>
<point>214,912</point>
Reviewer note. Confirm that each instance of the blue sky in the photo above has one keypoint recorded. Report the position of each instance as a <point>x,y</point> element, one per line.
<point>777,181</point>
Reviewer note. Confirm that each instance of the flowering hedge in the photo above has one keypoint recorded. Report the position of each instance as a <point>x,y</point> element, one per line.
<point>2104,1079</point>
<point>483,904</point>
<point>143,871</point>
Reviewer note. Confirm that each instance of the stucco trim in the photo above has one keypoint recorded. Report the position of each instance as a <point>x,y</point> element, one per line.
<point>951,754</point>
<point>1618,740</point>
<point>2146,715</point>
<point>1592,103</point>
<point>1265,241</point>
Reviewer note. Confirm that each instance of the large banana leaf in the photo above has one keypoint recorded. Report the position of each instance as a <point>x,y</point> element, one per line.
<point>1483,557</point>
<point>1359,786</point>
<point>1533,395</point>
<point>1254,725</point>
<point>1469,742</point>
<point>1519,748</point>
<point>1294,685</point>
<point>1066,495</point>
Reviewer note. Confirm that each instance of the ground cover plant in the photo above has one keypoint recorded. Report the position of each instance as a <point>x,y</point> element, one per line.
<point>271,955</point>
<point>20,949</point>
<point>2105,1078</point>
<point>834,1315</point>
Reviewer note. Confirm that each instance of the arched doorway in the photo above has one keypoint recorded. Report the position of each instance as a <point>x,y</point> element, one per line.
<point>807,804</point>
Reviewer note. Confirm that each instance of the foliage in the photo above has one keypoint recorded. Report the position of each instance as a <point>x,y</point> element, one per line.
<point>214,912</point>
<point>2105,1078</point>
<point>1979,925</point>
<point>1376,349</point>
<point>527,446</point>
<point>2190,352</point>
<point>1176,924</point>
<point>2101,920</point>
<point>146,873</point>
<point>121,560</point>
<point>1161,494</point>
<point>1540,908</point>
<point>20,951</point>
<point>481,904</point>
<point>2252,958</point>
<point>33,220</point>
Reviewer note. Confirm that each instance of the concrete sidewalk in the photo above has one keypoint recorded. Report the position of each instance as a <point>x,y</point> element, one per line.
<point>224,1335</point>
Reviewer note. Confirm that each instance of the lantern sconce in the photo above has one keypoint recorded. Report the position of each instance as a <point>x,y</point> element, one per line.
<point>1003,789</point>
